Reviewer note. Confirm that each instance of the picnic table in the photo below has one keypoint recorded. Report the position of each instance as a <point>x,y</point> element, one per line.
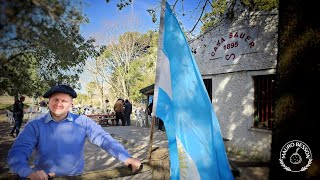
<point>103,119</point>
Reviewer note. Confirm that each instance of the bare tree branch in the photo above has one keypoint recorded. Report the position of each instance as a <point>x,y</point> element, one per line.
<point>203,9</point>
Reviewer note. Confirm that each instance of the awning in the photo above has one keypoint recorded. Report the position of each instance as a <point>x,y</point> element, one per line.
<point>147,90</point>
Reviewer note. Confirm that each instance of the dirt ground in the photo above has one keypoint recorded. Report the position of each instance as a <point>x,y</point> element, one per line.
<point>5,143</point>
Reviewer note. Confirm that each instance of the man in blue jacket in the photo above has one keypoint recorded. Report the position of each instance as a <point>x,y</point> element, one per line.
<point>58,139</point>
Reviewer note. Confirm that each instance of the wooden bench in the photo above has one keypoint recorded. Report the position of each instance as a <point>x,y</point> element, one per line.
<point>112,173</point>
<point>103,119</point>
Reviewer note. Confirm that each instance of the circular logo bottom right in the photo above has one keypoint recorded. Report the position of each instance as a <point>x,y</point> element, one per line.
<point>295,156</point>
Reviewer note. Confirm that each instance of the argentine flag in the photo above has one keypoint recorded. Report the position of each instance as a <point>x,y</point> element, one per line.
<point>195,144</point>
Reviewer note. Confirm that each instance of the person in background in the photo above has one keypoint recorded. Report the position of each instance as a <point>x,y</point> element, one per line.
<point>160,125</point>
<point>127,112</point>
<point>118,108</point>
<point>149,111</point>
<point>58,138</point>
<point>140,116</point>
<point>150,106</point>
<point>17,115</point>
<point>106,106</point>
<point>91,110</point>
<point>43,106</point>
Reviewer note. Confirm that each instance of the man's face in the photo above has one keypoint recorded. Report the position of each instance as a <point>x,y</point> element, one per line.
<point>59,105</point>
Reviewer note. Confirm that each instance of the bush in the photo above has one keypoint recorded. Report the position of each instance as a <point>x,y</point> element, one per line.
<point>6,106</point>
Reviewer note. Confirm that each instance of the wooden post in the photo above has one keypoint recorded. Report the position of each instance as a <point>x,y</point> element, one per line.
<point>160,164</point>
<point>151,138</point>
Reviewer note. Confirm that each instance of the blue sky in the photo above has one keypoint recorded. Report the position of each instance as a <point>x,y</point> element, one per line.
<point>99,12</point>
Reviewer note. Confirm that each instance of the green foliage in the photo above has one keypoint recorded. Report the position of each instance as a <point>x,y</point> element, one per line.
<point>41,45</point>
<point>142,74</point>
<point>91,89</point>
<point>209,19</point>
<point>264,5</point>
<point>225,7</point>
<point>131,61</point>
<point>82,99</point>
<point>5,106</point>
<point>122,3</point>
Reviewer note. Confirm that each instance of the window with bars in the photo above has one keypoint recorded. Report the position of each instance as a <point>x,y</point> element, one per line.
<point>263,101</point>
<point>208,84</point>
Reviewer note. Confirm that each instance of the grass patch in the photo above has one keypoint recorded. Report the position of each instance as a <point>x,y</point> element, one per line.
<point>6,106</point>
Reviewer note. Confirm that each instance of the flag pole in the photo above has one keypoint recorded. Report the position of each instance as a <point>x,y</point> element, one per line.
<point>155,91</point>
<point>151,138</point>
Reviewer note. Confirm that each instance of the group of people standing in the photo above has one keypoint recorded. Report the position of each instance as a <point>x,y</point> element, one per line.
<point>123,109</point>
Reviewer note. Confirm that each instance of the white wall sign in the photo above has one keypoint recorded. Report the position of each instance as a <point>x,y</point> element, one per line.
<point>231,46</point>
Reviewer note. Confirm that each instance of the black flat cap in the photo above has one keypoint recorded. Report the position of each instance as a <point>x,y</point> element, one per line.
<point>61,89</point>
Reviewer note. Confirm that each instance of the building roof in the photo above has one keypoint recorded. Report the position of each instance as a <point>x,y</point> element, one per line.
<point>147,90</point>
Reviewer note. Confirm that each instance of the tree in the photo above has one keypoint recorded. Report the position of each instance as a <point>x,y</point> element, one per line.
<point>142,71</point>
<point>120,57</point>
<point>222,9</point>
<point>82,99</point>
<point>100,77</point>
<point>297,105</point>
<point>130,60</point>
<point>91,89</point>
<point>41,45</point>
<point>124,45</point>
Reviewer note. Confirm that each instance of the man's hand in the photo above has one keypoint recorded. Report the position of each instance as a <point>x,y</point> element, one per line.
<point>135,164</point>
<point>40,175</point>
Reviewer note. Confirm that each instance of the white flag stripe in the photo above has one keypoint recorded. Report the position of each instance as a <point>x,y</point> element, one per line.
<point>165,76</point>
<point>188,169</point>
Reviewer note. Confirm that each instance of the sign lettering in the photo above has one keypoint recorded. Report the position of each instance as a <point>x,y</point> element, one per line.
<point>230,47</point>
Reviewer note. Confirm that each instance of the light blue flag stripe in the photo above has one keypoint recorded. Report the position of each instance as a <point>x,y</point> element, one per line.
<point>195,144</point>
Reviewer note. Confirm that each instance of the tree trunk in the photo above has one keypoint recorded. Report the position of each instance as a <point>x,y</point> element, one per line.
<point>297,106</point>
